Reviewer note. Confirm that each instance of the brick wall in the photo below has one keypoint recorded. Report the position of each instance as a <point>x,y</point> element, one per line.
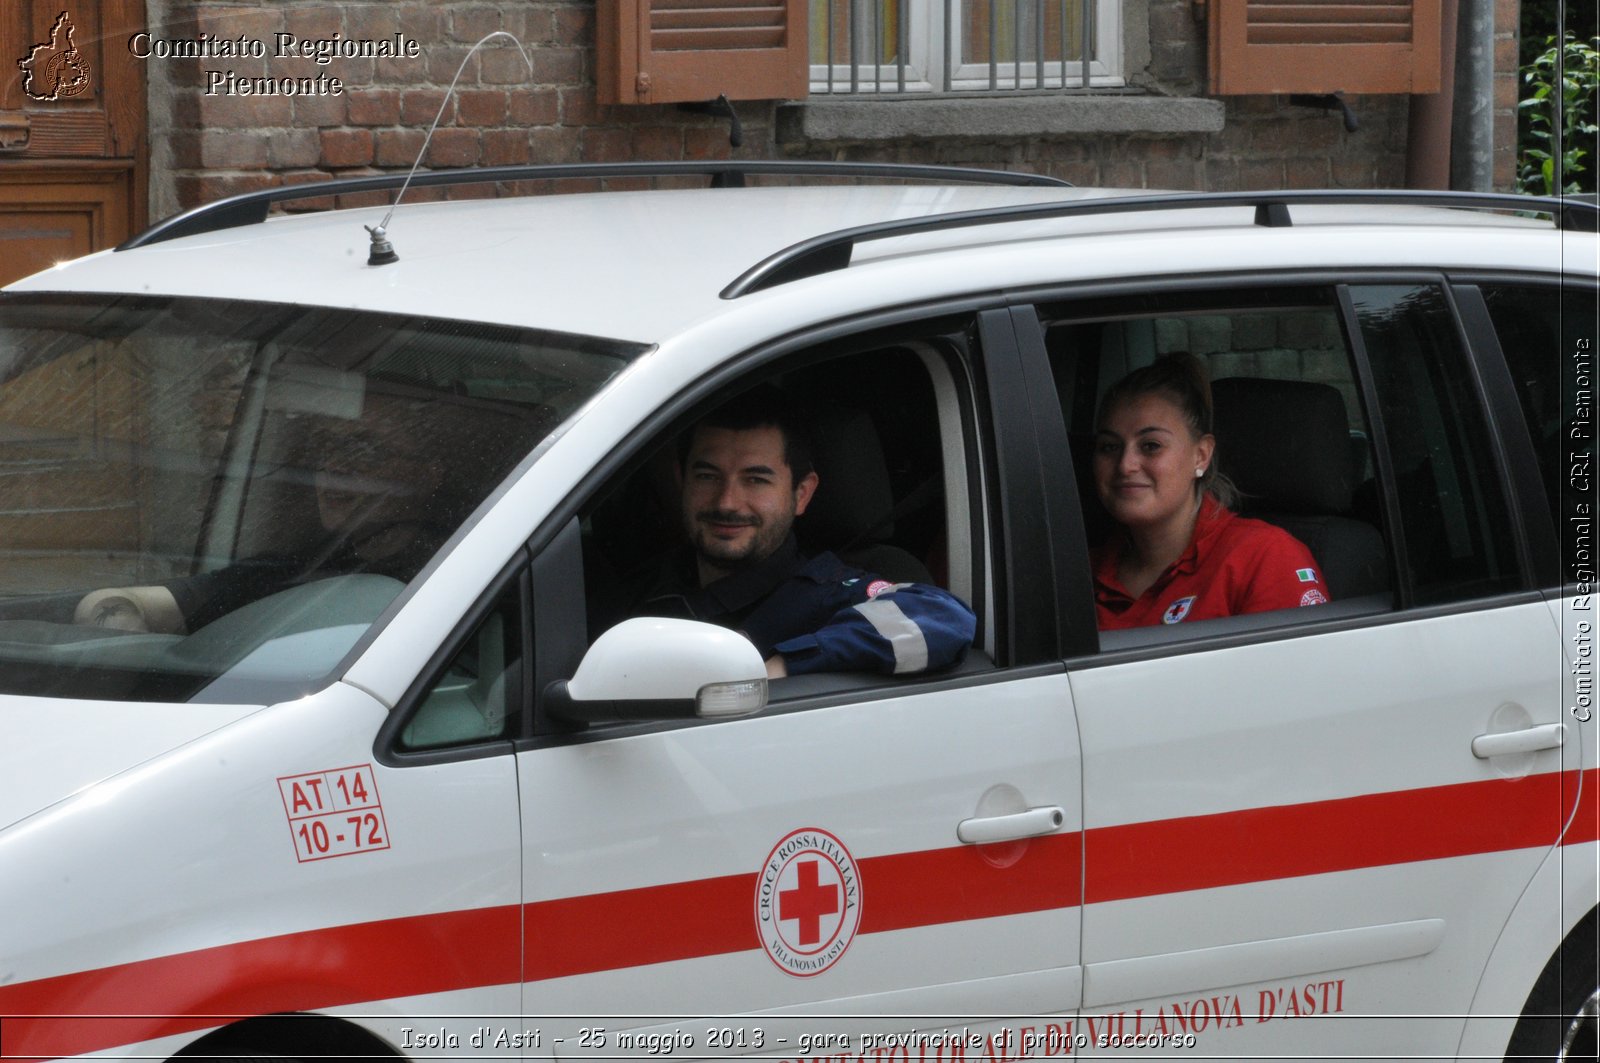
<point>216,144</point>
<point>1264,144</point>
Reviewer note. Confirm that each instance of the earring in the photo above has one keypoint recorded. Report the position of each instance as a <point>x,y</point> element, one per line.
<point>1199,473</point>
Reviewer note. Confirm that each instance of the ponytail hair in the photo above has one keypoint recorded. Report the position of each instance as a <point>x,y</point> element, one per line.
<point>1182,380</point>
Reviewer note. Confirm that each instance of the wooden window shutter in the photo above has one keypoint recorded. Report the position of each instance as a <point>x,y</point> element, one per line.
<point>682,51</point>
<point>1324,46</point>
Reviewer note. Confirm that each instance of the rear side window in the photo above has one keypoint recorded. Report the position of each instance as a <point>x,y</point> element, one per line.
<point>1348,416</point>
<point>1546,334</point>
<point>1290,427</point>
<point>1453,514</point>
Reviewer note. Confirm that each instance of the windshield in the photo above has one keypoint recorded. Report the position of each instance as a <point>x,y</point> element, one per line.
<point>213,500</point>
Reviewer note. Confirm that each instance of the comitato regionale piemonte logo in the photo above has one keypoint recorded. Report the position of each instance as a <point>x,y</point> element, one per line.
<point>55,69</point>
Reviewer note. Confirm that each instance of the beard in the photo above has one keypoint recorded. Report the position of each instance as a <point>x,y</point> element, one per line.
<point>744,552</point>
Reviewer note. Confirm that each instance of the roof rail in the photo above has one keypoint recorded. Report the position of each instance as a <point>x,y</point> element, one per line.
<point>251,208</point>
<point>832,251</point>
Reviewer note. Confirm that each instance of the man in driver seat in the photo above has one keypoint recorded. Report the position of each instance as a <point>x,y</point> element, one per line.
<point>747,474</point>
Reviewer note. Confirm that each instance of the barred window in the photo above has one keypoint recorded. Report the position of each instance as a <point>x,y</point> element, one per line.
<point>1009,46</point>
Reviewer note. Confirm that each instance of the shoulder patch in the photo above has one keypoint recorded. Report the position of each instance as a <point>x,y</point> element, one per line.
<point>1178,610</point>
<point>1313,597</point>
<point>1306,575</point>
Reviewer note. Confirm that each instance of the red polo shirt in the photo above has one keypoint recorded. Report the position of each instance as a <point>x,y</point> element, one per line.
<point>1233,565</point>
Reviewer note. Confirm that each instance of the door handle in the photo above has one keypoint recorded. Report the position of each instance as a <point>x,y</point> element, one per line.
<point>1030,824</point>
<point>1527,740</point>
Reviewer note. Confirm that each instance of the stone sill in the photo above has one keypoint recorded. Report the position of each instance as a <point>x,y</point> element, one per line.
<point>832,119</point>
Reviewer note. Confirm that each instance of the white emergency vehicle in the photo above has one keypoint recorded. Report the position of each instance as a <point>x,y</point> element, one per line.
<point>325,731</point>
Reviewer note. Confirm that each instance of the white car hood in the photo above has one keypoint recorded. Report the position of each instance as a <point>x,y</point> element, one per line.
<point>51,749</point>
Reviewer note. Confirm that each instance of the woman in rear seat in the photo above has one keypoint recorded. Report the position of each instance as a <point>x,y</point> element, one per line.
<point>1179,552</point>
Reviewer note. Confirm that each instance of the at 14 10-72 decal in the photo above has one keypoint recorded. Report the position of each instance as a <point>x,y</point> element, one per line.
<point>334,813</point>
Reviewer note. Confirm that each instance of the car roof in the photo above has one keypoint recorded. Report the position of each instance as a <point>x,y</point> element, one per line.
<point>646,265</point>
<point>629,265</point>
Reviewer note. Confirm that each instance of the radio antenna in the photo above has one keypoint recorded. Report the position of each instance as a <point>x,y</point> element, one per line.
<point>381,252</point>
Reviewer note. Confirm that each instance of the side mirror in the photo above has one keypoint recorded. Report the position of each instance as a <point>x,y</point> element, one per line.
<point>652,668</point>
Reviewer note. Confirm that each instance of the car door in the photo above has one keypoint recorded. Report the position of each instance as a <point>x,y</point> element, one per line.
<point>862,847</point>
<point>1305,829</point>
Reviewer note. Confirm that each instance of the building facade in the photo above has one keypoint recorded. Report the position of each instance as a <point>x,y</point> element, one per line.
<point>171,103</point>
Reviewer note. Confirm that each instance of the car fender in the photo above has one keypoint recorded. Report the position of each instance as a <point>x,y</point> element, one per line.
<point>134,890</point>
<point>1562,892</point>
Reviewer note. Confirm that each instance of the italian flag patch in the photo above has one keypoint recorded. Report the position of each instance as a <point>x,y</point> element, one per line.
<point>1307,575</point>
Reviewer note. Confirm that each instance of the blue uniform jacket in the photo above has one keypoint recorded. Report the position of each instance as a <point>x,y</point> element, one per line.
<point>824,615</point>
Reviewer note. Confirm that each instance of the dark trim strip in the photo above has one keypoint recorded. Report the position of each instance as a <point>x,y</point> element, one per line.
<point>1400,580</point>
<point>1018,507</point>
<point>1536,534</point>
<point>832,251</point>
<point>251,207</point>
<point>1064,524</point>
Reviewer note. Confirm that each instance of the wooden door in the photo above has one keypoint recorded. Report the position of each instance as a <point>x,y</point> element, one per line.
<point>73,138</point>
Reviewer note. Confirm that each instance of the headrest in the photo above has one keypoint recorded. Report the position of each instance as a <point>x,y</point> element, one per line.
<point>854,495</point>
<point>1284,443</point>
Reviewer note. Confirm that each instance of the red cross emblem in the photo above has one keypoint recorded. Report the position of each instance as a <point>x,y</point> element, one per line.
<point>808,902</point>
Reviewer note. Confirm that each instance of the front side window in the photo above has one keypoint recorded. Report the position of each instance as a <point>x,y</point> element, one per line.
<point>891,46</point>
<point>822,512</point>
<point>213,500</point>
<point>477,697</point>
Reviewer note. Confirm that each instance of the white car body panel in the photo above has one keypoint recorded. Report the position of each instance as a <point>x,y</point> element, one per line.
<point>1263,741</point>
<point>891,787</point>
<point>148,842</point>
<point>1559,895</point>
<point>48,759</point>
<point>225,845</point>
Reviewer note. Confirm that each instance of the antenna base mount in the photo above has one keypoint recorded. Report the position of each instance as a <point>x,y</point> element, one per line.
<point>381,253</point>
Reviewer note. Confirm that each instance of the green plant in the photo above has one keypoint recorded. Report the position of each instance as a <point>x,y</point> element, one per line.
<point>1536,153</point>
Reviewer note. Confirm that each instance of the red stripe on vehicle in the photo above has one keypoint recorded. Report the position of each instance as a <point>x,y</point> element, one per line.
<point>303,971</point>
<point>337,966</point>
<point>969,882</point>
<point>1585,826</point>
<point>631,928</point>
<point>713,917</point>
<point>1374,830</point>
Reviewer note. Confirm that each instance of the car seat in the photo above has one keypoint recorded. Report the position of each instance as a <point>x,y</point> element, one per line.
<point>1286,445</point>
<point>853,511</point>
